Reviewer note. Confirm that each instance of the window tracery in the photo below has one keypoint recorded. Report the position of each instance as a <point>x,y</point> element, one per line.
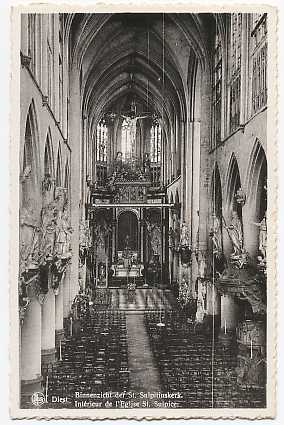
<point>217,89</point>
<point>235,74</point>
<point>155,143</point>
<point>259,60</point>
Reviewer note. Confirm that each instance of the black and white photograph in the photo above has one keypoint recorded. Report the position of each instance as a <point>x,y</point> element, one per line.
<point>144,263</point>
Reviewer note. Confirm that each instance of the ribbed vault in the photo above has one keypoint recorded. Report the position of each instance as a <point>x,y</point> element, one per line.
<point>145,57</point>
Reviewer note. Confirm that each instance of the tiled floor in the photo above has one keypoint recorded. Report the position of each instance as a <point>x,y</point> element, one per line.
<point>142,299</point>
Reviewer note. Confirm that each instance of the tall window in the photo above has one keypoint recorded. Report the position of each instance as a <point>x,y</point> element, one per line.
<point>50,45</point>
<point>235,74</point>
<point>60,60</point>
<point>126,140</point>
<point>155,143</point>
<point>217,90</point>
<point>28,166</point>
<point>31,40</point>
<point>102,138</point>
<point>259,60</point>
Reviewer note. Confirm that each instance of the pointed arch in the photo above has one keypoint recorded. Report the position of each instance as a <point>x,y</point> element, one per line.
<point>233,184</point>
<point>256,181</point>
<point>30,159</point>
<point>58,177</point>
<point>216,192</point>
<point>48,157</point>
<point>67,177</point>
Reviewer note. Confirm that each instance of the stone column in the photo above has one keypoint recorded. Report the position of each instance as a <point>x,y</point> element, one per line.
<point>30,359</point>
<point>66,293</point>
<point>75,140</point>
<point>59,330</point>
<point>213,301</point>
<point>48,328</point>
<point>229,313</point>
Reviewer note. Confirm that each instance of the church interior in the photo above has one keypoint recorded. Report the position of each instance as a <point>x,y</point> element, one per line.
<point>143,197</point>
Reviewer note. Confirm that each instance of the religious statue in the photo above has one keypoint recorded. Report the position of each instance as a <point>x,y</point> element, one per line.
<point>63,235</point>
<point>262,238</point>
<point>200,312</point>
<point>201,264</point>
<point>216,235</point>
<point>171,237</point>
<point>132,126</point>
<point>118,162</point>
<point>235,232</point>
<point>184,235</point>
<point>48,229</point>
<point>127,245</point>
<point>155,238</point>
<point>146,164</point>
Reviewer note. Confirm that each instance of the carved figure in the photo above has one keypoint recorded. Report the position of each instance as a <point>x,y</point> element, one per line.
<point>236,234</point>
<point>184,235</point>
<point>262,238</point>
<point>216,235</point>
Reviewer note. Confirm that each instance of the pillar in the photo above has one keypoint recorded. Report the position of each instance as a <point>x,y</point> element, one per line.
<point>59,330</point>
<point>31,350</point>
<point>229,313</point>
<point>48,328</point>
<point>213,301</point>
<point>75,141</point>
<point>66,293</point>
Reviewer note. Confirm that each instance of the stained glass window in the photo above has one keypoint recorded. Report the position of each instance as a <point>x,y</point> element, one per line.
<point>31,40</point>
<point>102,138</point>
<point>60,60</point>
<point>217,89</point>
<point>155,143</point>
<point>235,74</point>
<point>259,60</point>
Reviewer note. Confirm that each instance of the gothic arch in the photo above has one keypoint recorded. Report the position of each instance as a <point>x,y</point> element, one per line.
<point>30,158</point>
<point>58,177</point>
<point>216,192</point>
<point>233,183</point>
<point>257,181</point>
<point>48,165</point>
<point>67,177</point>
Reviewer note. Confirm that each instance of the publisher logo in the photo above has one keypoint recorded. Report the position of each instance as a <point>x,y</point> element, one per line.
<point>38,399</point>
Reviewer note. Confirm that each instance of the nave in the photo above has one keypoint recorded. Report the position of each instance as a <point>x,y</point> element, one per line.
<point>143,219</point>
<point>109,357</point>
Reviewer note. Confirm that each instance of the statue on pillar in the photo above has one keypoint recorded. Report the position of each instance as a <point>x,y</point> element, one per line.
<point>216,235</point>
<point>235,232</point>
<point>155,234</point>
<point>184,235</point>
<point>48,229</point>
<point>262,238</point>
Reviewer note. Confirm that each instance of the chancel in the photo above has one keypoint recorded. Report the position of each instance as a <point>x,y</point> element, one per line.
<point>143,198</point>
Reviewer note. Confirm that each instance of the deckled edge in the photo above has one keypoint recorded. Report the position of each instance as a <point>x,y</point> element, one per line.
<point>272,151</point>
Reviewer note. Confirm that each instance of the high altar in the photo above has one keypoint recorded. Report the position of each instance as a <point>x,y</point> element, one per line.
<point>128,221</point>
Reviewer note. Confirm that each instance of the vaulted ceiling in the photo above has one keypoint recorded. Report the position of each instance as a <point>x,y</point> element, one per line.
<point>145,57</point>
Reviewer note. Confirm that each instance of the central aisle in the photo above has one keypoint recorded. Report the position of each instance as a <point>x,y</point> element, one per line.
<point>144,375</point>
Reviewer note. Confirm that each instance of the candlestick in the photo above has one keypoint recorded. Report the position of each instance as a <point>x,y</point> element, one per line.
<point>71,320</point>
<point>106,273</point>
<point>225,327</point>
<point>46,388</point>
<point>251,348</point>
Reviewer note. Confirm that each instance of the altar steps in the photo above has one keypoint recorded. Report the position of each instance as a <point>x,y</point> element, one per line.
<point>138,301</point>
